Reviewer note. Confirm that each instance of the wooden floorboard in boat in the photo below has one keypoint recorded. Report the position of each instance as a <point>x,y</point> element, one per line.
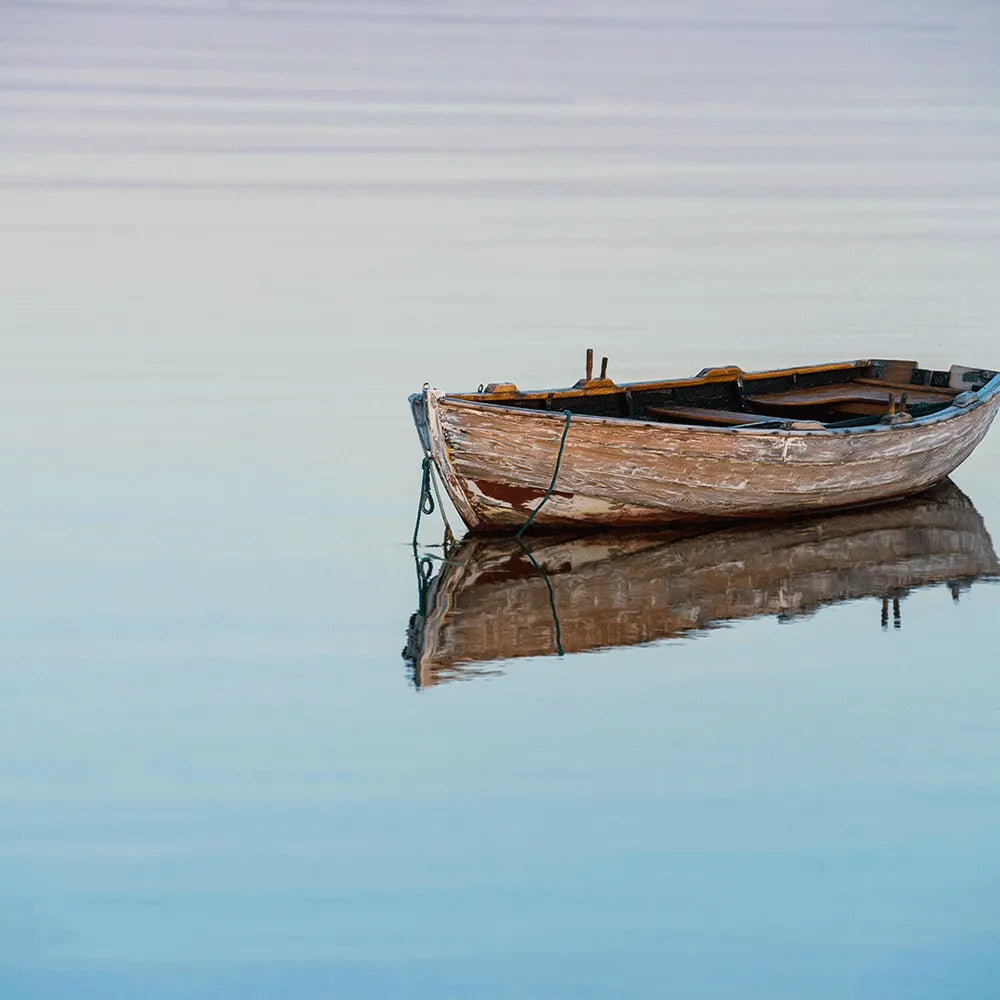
<point>701,414</point>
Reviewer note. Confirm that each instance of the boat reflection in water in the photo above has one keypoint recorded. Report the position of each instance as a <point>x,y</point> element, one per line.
<point>495,599</point>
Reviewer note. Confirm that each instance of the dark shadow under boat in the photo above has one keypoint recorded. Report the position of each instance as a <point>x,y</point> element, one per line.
<point>497,599</point>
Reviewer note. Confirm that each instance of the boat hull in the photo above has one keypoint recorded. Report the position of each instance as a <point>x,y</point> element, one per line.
<point>497,464</point>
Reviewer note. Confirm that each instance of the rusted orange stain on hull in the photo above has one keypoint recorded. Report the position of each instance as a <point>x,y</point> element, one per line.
<point>517,496</point>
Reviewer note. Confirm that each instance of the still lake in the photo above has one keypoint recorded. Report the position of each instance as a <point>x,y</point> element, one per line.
<point>235,237</point>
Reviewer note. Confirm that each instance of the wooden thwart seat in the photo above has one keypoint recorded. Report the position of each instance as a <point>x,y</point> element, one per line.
<point>847,393</point>
<point>931,393</point>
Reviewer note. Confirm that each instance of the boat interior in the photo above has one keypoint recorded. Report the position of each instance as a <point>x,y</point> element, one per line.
<point>849,394</point>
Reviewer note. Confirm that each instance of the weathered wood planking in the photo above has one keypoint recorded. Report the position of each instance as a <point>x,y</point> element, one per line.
<point>657,469</point>
<point>497,461</point>
<point>616,589</point>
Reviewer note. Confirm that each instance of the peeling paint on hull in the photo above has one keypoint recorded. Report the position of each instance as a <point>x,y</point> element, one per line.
<point>518,498</point>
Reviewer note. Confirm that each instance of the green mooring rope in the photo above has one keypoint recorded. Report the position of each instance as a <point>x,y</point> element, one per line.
<point>426,504</point>
<point>552,485</point>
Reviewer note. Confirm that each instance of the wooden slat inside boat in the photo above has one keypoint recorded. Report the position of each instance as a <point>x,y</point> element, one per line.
<point>856,396</point>
<point>724,444</point>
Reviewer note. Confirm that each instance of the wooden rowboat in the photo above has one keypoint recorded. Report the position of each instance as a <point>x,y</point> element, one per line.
<point>493,601</point>
<point>724,444</point>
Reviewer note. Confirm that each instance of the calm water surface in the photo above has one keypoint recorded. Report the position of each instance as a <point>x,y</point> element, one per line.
<point>235,237</point>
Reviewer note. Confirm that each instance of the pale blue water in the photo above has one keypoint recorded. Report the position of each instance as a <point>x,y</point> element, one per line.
<point>235,237</point>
